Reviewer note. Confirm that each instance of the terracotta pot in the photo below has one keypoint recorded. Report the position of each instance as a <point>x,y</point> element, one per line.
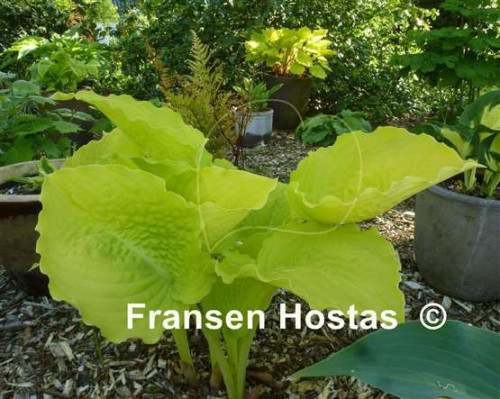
<point>18,218</point>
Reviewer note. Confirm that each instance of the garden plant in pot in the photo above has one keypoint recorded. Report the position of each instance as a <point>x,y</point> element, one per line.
<point>62,63</point>
<point>27,132</point>
<point>293,55</point>
<point>255,96</point>
<point>458,224</point>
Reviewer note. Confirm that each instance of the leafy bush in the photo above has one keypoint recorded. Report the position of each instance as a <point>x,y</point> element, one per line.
<point>256,95</point>
<point>176,230</point>
<point>323,129</point>
<point>476,136</point>
<point>365,35</point>
<point>27,130</point>
<point>291,51</point>
<point>132,72</point>
<point>61,62</point>
<point>460,51</point>
<point>29,18</point>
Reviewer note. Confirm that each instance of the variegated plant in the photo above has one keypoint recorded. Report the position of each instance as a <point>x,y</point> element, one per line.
<point>476,136</point>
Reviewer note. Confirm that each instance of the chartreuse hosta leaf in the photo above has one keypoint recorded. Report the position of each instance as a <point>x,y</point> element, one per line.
<point>158,131</point>
<point>110,236</point>
<point>457,361</point>
<point>104,150</point>
<point>169,149</point>
<point>334,268</point>
<point>364,175</point>
<point>145,216</point>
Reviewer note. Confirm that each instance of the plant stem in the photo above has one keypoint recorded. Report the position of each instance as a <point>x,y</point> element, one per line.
<point>493,182</point>
<point>470,179</point>
<point>245,343</point>
<point>214,343</point>
<point>182,343</point>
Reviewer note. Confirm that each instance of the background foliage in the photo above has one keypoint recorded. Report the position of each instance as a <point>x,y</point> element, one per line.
<point>461,51</point>
<point>366,33</point>
<point>30,17</point>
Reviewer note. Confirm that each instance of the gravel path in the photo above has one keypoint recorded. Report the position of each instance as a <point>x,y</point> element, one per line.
<point>46,352</point>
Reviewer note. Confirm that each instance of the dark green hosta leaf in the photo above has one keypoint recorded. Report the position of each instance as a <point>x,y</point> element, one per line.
<point>457,361</point>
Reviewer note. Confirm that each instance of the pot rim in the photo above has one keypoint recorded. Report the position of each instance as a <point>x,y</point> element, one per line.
<point>267,111</point>
<point>20,169</point>
<point>464,198</point>
<point>292,77</point>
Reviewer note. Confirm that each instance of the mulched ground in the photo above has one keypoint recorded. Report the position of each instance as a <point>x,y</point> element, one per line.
<point>46,352</point>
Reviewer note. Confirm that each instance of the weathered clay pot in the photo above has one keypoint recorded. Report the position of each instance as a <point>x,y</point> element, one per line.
<point>457,243</point>
<point>18,218</point>
<point>290,101</point>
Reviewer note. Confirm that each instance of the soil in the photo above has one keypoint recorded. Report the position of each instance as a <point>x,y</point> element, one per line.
<point>13,188</point>
<point>456,185</point>
<point>47,352</point>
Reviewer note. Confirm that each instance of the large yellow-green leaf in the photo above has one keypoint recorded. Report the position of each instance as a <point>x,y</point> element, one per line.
<point>333,268</point>
<point>104,150</point>
<point>245,294</point>
<point>363,175</point>
<point>159,132</point>
<point>224,196</point>
<point>109,236</point>
<point>247,237</point>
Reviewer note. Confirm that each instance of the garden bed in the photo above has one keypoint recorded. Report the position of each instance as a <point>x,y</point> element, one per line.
<point>48,352</point>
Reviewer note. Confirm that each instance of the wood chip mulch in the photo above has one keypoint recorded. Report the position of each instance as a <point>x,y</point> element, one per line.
<point>47,352</point>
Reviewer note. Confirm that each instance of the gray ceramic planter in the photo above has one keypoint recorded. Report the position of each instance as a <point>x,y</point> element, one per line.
<point>457,244</point>
<point>18,218</point>
<point>259,127</point>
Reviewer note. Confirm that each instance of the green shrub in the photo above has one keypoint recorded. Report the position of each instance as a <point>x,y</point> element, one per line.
<point>460,51</point>
<point>27,130</point>
<point>62,62</point>
<point>323,129</point>
<point>22,18</point>
<point>365,35</point>
<point>132,72</point>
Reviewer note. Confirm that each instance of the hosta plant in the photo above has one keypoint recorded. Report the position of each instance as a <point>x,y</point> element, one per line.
<point>456,361</point>
<point>475,136</point>
<point>145,215</point>
<point>323,129</point>
<point>291,51</point>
